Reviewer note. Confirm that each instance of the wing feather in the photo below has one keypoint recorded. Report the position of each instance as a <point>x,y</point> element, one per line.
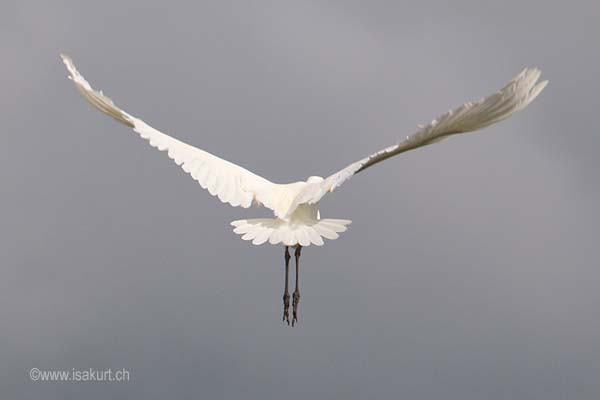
<point>514,96</point>
<point>229,182</point>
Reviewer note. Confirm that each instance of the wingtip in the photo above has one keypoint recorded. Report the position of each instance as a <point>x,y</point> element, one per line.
<point>532,74</point>
<point>65,58</point>
<point>68,61</point>
<point>527,74</point>
<point>537,89</point>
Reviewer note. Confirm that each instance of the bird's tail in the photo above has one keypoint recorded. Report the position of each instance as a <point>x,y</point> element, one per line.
<point>278,231</point>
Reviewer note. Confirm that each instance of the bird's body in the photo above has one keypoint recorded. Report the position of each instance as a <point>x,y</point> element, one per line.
<point>296,219</point>
<point>297,225</point>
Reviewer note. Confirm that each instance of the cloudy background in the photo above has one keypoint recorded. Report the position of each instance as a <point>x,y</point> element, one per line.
<point>471,269</point>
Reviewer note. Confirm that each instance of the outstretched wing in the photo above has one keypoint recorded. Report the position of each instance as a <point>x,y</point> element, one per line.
<point>471,116</point>
<point>229,182</point>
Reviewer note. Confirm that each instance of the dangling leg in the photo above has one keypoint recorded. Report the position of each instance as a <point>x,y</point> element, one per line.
<point>286,294</point>
<point>296,299</point>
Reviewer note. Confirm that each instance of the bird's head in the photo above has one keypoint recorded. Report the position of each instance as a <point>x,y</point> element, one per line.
<point>314,179</point>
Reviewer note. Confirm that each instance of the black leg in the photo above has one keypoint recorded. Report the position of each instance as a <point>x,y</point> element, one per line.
<point>296,298</point>
<point>286,294</point>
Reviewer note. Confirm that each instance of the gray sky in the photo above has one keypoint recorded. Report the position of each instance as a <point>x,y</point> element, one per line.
<point>470,271</point>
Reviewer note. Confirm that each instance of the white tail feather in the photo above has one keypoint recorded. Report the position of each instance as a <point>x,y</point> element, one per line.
<point>278,231</point>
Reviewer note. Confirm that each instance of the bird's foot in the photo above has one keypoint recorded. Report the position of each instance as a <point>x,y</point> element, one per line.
<point>286,307</point>
<point>296,301</point>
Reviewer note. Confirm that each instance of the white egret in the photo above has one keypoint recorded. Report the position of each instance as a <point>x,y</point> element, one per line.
<point>297,222</point>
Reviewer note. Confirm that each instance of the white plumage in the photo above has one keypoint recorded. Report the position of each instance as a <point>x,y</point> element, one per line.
<point>295,205</point>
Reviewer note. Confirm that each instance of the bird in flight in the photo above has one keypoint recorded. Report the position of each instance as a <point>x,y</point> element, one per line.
<point>297,222</point>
